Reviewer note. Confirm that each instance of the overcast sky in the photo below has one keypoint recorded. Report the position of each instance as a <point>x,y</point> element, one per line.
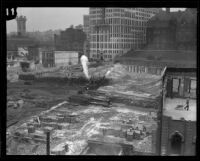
<point>51,18</point>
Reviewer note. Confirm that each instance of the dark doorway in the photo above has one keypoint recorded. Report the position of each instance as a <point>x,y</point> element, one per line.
<point>176,141</point>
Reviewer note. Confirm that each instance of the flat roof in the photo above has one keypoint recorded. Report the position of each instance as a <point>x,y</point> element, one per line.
<point>169,58</point>
<point>171,104</point>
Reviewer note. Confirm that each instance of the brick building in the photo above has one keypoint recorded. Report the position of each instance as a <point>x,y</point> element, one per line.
<point>70,40</point>
<point>179,124</point>
<point>178,137</point>
<point>172,30</point>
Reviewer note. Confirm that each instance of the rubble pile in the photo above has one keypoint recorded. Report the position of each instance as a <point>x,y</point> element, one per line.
<point>139,89</point>
<point>72,128</point>
<point>85,120</point>
<point>86,99</point>
<point>12,74</point>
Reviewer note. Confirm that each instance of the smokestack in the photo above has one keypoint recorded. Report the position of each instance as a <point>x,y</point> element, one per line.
<point>168,10</point>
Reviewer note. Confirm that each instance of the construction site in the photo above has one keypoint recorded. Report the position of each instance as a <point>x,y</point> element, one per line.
<point>123,102</point>
<point>60,112</point>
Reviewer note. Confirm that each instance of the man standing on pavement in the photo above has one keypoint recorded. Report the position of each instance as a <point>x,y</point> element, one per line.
<point>187,104</point>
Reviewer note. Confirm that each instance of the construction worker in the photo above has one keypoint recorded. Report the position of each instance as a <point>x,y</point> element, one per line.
<point>187,104</point>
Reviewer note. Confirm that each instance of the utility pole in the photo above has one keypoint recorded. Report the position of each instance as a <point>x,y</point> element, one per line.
<point>48,143</point>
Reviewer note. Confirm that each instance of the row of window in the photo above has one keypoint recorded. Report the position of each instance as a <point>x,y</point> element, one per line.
<point>136,69</point>
<point>118,38</point>
<point>120,21</point>
<point>108,51</point>
<point>192,86</point>
<point>126,32</point>
<point>142,69</point>
<point>105,56</point>
<point>115,45</point>
<point>108,9</point>
<point>146,10</point>
<point>115,38</point>
<point>121,16</point>
<point>120,30</point>
<point>121,10</point>
<point>115,10</point>
<point>143,14</point>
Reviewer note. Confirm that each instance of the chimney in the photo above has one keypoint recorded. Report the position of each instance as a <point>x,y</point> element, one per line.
<point>168,10</point>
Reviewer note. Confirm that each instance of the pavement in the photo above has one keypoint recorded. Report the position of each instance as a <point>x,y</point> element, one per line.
<point>171,104</point>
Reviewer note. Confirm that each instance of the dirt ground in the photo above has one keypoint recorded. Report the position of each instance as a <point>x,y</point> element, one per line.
<point>37,97</point>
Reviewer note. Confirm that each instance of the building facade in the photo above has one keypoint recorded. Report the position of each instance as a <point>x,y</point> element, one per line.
<point>178,137</point>
<point>86,25</point>
<point>114,31</point>
<point>87,48</point>
<point>178,123</point>
<point>70,40</point>
<point>65,58</point>
<point>79,27</point>
<point>173,30</point>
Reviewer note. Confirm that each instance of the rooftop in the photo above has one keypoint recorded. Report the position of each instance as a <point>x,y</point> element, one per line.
<point>170,58</point>
<point>17,41</point>
<point>171,104</point>
<point>189,16</point>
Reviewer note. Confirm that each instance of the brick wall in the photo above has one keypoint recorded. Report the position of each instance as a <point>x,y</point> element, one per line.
<point>184,84</point>
<point>186,128</point>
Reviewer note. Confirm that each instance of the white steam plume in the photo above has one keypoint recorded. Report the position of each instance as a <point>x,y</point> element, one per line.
<point>84,62</point>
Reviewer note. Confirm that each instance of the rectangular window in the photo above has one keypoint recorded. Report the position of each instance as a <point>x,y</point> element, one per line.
<point>193,86</point>
<point>176,83</point>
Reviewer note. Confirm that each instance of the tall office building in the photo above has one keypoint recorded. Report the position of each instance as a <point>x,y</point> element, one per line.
<point>114,31</point>
<point>86,25</point>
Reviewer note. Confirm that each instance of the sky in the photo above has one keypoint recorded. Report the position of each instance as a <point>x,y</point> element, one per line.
<point>42,19</point>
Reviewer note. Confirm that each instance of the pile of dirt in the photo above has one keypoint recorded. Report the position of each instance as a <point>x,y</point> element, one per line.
<point>139,89</point>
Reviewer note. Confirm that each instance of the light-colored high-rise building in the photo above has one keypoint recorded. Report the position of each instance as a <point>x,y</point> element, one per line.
<point>86,25</point>
<point>114,31</point>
